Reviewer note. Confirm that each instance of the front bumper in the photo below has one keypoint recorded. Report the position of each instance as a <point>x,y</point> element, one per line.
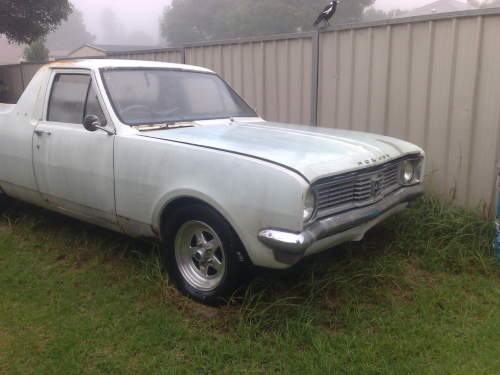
<point>289,246</point>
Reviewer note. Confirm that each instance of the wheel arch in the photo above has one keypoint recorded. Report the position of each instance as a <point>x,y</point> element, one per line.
<point>176,201</point>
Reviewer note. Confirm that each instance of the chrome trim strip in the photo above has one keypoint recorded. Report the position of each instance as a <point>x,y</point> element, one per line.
<point>297,243</point>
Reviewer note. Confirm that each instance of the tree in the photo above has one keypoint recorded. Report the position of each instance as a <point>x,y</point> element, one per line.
<point>29,20</point>
<point>186,21</point>
<point>113,32</point>
<point>138,37</point>
<point>36,51</point>
<point>374,14</point>
<point>71,34</point>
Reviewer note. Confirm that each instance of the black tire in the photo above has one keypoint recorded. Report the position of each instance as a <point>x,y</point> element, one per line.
<point>4,202</point>
<point>232,254</point>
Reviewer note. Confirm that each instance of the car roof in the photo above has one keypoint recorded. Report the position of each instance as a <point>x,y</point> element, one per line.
<point>96,64</point>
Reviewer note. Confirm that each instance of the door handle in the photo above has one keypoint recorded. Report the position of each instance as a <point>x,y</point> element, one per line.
<point>42,132</point>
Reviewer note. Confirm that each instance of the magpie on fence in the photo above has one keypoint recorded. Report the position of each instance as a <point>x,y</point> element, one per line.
<point>327,13</point>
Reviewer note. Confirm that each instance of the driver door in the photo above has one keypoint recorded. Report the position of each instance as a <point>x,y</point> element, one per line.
<point>74,167</point>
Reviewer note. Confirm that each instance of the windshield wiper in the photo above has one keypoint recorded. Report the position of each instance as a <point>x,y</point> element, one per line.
<point>170,125</point>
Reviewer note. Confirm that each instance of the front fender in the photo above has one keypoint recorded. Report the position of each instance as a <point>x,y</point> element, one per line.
<point>251,194</point>
<point>191,194</point>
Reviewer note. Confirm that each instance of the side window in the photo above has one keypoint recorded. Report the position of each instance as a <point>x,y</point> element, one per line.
<point>92,106</point>
<point>67,99</point>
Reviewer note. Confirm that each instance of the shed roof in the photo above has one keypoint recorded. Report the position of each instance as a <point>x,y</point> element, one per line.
<point>113,48</point>
<point>440,6</point>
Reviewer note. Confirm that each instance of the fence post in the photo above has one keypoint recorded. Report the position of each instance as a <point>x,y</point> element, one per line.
<point>183,55</point>
<point>315,78</point>
<point>497,222</point>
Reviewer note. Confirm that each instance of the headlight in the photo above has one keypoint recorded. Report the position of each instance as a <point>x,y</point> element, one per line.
<point>407,172</point>
<point>410,172</point>
<point>309,205</point>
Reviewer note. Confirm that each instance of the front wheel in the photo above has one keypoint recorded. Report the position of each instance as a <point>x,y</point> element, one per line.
<point>4,201</point>
<point>203,255</point>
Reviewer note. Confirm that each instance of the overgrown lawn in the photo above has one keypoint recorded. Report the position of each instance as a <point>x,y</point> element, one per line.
<point>419,295</point>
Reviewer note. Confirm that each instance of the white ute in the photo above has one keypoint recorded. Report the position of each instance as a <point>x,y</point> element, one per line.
<point>171,152</point>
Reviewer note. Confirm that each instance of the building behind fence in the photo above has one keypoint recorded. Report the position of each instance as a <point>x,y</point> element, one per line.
<point>432,80</point>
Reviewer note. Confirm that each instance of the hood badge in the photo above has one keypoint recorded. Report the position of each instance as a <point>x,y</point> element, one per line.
<point>377,185</point>
<point>373,160</point>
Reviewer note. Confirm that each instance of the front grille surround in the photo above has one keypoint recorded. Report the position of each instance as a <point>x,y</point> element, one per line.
<point>359,188</point>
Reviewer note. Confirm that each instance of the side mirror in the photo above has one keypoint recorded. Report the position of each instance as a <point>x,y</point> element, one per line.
<point>91,123</point>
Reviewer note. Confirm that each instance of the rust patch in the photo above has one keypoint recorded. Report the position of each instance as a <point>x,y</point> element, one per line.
<point>155,231</point>
<point>61,63</point>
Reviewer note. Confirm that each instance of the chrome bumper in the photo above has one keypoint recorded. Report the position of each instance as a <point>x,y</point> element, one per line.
<point>296,244</point>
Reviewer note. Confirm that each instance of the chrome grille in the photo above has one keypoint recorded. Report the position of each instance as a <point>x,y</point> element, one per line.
<point>356,189</point>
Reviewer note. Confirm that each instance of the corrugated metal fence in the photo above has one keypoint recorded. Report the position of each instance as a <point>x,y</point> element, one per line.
<point>13,79</point>
<point>433,80</point>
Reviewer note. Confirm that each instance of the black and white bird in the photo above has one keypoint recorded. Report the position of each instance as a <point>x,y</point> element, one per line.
<point>327,13</point>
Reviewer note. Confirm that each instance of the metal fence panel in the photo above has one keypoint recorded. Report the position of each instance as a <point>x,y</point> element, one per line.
<point>29,70</point>
<point>170,56</point>
<point>272,75</point>
<point>16,78</point>
<point>13,81</point>
<point>433,82</point>
<point>484,140</point>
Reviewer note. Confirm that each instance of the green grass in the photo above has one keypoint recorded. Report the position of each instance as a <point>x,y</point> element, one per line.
<point>420,295</point>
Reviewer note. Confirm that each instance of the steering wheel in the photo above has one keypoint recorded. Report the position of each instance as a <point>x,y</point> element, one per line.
<point>137,108</point>
<point>167,112</point>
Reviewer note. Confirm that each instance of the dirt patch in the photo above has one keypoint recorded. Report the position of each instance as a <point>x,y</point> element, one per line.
<point>5,339</point>
<point>416,275</point>
<point>196,310</point>
<point>332,304</point>
<point>185,306</point>
<point>413,276</point>
<point>204,311</point>
<point>4,228</point>
<point>400,293</point>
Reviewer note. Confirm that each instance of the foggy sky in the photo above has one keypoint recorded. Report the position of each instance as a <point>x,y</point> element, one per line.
<point>143,15</point>
<point>134,15</point>
<point>403,4</point>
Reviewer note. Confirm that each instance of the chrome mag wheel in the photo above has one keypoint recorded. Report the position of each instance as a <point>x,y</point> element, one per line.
<point>200,255</point>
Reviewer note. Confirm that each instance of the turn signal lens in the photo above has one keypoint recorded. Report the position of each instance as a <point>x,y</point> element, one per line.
<point>309,206</point>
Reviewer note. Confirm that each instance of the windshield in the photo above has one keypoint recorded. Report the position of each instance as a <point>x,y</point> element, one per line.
<point>158,96</point>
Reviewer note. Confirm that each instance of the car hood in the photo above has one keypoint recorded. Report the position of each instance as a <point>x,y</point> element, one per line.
<point>312,152</point>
